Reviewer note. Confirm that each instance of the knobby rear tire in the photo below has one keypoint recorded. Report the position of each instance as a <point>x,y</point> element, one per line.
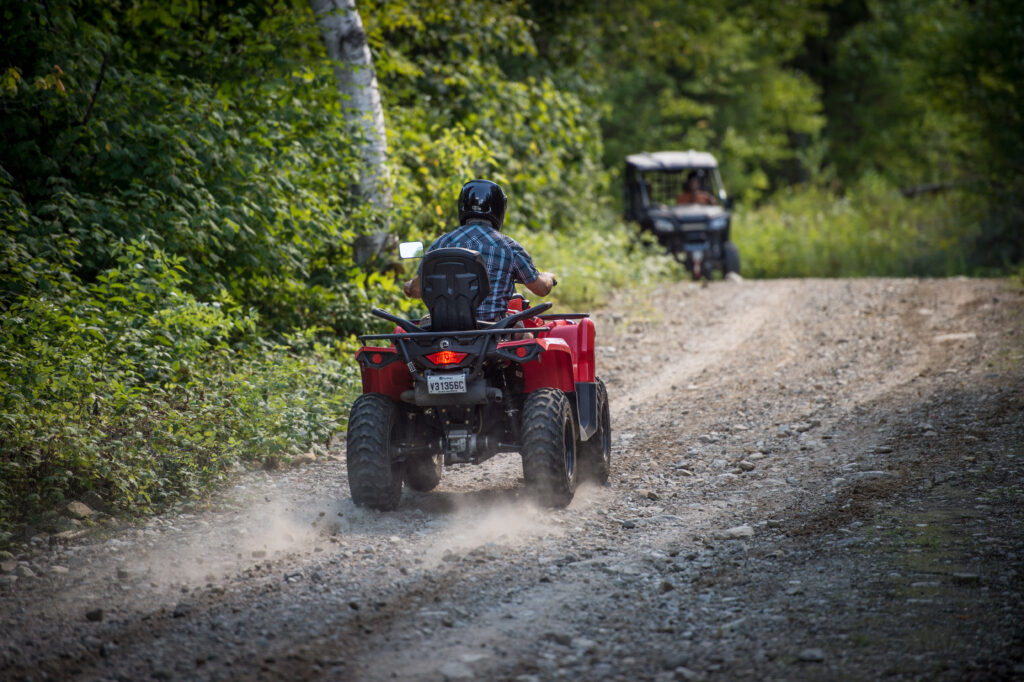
<point>549,447</point>
<point>374,480</point>
<point>595,454</point>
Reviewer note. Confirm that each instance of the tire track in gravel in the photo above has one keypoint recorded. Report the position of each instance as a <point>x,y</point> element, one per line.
<point>699,329</point>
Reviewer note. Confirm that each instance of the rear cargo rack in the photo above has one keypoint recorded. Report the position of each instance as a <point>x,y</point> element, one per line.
<point>565,316</point>
<point>461,334</point>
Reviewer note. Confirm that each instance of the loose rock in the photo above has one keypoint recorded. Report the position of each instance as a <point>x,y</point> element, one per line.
<point>583,645</point>
<point>676,660</point>
<point>744,531</point>
<point>454,670</point>
<point>812,656</point>
<point>303,459</point>
<point>557,637</point>
<point>78,510</point>
<point>23,571</point>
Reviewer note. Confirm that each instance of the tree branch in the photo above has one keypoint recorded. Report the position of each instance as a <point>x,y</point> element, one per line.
<point>96,89</point>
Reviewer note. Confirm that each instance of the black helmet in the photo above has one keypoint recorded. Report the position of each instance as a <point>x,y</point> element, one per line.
<point>482,199</point>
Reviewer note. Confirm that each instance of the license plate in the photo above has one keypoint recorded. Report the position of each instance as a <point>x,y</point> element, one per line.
<point>446,383</point>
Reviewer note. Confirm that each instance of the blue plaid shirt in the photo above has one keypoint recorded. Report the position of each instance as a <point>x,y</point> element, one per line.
<point>506,261</point>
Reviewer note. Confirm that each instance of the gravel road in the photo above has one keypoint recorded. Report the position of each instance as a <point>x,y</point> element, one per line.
<point>812,479</point>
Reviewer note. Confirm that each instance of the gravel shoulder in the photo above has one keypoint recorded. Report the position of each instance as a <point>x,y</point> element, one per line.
<point>812,479</point>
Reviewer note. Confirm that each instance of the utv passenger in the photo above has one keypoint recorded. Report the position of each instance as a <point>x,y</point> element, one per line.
<point>694,193</point>
<point>481,215</point>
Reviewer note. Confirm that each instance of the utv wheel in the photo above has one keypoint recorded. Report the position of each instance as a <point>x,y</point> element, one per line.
<point>595,454</point>
<point>549,447</point>
<point>731,258</point>
<point>423,474</point>
<point>373,478</point>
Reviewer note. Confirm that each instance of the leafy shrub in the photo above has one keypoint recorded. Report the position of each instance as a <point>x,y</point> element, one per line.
<point>871,231</point>
<point>593,264</point>
<point>133,388</point>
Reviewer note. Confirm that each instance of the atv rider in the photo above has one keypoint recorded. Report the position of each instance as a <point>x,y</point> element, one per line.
<point>481,214</point>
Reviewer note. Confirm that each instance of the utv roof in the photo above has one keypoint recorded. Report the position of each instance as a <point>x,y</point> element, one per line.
<point>669,161</point>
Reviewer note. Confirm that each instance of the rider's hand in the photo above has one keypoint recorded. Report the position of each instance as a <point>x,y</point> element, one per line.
<point>412,287</point>
<point>543,285</point>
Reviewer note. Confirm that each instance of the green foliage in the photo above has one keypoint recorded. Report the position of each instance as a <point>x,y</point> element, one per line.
<point>216,136</point>
<point>593,264</point>
<point>928,93</point>
<point>133,388</point>
<point>175,247</point>
<point>871,231</point>
<point>710,77</point>
<point>460,106</point>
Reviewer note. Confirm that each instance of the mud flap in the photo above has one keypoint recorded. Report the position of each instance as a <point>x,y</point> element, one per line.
<point>586,408</point>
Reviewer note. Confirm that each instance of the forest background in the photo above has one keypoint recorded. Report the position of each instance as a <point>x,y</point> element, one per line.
<point>184,249</point>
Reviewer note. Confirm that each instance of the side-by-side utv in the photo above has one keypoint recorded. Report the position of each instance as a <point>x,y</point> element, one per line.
<point>679,197</point>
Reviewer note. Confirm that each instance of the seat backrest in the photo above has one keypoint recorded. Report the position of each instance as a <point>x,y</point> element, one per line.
<point>453,283</point>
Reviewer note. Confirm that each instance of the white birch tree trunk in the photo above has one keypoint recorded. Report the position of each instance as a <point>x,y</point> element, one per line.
<point>343,34</point>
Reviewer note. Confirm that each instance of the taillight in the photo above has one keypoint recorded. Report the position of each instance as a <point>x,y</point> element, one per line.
<point>445,357</point>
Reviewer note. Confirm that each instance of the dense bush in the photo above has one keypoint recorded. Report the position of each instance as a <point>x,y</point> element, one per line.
<point>873,229</point>
<point>132,388</point>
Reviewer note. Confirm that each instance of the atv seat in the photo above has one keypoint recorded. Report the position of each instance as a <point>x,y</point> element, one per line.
<point>453,283</point>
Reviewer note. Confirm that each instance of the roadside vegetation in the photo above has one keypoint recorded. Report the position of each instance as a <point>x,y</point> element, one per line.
<point>185,257</point>
<point>871,230</point>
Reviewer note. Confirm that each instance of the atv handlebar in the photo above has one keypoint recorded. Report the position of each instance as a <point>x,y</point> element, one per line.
<point>504,323</point>
<point>507,322</point>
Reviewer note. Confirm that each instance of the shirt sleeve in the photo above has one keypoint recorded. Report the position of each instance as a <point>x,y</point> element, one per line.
<point>522,265</point>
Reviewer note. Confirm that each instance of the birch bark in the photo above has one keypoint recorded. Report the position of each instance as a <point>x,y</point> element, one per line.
<point>345,39</point>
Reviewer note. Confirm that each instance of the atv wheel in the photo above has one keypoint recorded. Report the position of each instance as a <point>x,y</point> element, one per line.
<point>731,256</point>
<point>424,473</point>
<point>549,447</point>
<point>596,453</point>
<point>373,478</point>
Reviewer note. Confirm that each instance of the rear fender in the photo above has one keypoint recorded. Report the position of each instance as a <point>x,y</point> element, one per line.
<point>552,368</point>
<point>382,371</point>
<point>579,337</point>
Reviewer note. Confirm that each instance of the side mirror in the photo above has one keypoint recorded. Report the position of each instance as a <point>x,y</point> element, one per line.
<point>410,250</point>
<point>728,203</point>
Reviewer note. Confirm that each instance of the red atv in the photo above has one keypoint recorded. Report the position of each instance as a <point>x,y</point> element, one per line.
<point>456,390</point>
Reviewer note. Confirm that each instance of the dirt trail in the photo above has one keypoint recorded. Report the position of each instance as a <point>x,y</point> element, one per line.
<point>812,479</point>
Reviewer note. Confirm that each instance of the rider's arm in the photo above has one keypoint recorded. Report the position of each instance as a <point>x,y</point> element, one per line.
<point>412,287</point>
<point>543,285</point>
<point>523,269</point>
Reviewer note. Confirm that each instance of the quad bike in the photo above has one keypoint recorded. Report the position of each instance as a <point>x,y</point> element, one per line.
<point>697,235</point>
<point>458,390</point>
